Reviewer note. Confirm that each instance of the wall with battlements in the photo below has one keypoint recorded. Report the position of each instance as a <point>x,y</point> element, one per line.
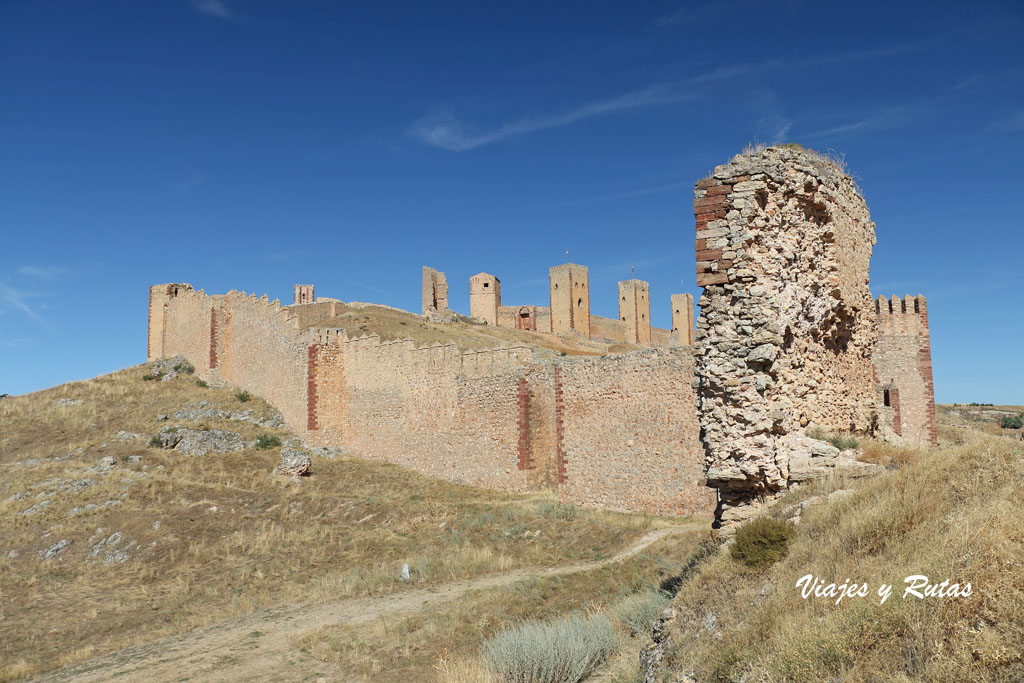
<point>902,362</point>
<point>505,419</point>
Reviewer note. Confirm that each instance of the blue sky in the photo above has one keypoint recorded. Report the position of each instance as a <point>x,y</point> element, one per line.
<point>253,145</point>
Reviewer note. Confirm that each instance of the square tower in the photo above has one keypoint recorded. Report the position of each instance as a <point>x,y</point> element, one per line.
<point>682,317</point>
<point>485,297</point>
<point>635,310</point>
<point>569,285</point>
<point>304,294</point>
<point>435,290</point>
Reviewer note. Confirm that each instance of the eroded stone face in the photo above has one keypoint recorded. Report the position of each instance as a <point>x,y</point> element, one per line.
<point>787,327</point>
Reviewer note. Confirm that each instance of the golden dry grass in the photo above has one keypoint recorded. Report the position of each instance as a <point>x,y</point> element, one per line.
<point>391,324</point>
<point>948,513</point>
<point>448,637</point>
<point>232,537</point>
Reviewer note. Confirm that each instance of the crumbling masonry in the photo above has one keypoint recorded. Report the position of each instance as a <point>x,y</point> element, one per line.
<point>788,326</point>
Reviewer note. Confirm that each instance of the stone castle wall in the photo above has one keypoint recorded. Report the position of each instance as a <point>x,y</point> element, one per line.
<point>505,419</point>
<point>902,362</point>
<point>787,322</point>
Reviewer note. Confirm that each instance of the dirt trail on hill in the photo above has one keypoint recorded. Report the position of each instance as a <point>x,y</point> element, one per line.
<point>256,648</point>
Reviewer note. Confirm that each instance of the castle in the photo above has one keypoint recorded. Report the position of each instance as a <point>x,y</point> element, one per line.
<point>712,422</point>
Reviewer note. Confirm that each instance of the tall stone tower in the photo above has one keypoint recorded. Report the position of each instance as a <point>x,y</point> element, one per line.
<point>304,294</point>
<point>682,317</point>
<point>635,310</point>
<point>160,297</point>
<point>569,285</point>
<point>787,322</point>
<point>485,297</point>
<point>435,290</point>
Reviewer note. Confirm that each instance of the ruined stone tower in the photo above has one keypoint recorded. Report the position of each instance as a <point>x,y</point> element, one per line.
<point>682,318</point>
<point>435,290</point>
<point>903,368</point>
<point>787,321</point>
<point>485,297</point>
<point>304,294</point>
<point>569,285</point>
<point>635,310</point>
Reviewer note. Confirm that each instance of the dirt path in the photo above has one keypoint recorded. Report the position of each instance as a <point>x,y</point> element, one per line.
<point>256,648</point>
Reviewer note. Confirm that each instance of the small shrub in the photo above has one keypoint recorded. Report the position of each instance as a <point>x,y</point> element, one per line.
<point>185,367</point>
<point>265,441</point>
<point>1012,421</point>
<point>155,442</point>
<point>201,384</point>
<point>563,651</point>
<point>149,378</point>
<point>243,396</point>
<point>762,542</point>
<point>840,441</point>
<point>638,612</point>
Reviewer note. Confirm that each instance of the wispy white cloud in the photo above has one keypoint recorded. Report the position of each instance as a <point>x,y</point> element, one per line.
<point>371,288</point>
<point>194,180</point>
<point>214,8</point>
<point>42,272</point>
<point>443,130</point>
<point>709,11</point>
<point>16,299</point>
<point>885,119</point>
<point>1014,123</point>
<point>642,192</point>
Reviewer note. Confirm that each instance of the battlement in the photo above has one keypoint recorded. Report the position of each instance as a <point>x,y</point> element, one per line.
<point>906,315</point>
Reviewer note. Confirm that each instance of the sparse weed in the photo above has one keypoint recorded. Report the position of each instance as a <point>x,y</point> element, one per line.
<point>762,542</point>
<point>243,396</point>
<point>201,384</point>
<point>265,441</point>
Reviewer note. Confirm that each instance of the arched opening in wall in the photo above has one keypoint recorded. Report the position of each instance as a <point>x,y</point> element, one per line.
<point>643,316</point>
<point>623,298</point>
<point>886,400</point>
<point>579,302</point>
<point>526,320</point>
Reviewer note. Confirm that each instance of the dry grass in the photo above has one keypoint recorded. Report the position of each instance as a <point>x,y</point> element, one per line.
<point>232,537</point>
<point>391,324</point>
<point>448,637</point>
<point>948,513</point>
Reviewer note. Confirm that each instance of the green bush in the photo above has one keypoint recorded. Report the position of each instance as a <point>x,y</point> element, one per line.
<point>840,441</point>
<point>762,542</point>
<point>155,442</point>
<point>1012,421</point>
<point>638,612</point>
<point>243,396</point>
<point>264,441</point>
<point>150,377</point>
<point>200,383</point>
<point>185,367</point>
<point>563,651</point>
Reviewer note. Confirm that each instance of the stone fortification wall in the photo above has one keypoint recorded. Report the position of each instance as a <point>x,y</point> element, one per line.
<point>434,295</point>
<point>787,324</point>
<point>902,361</point>
<point>629,429</point>
<point>599,429</point>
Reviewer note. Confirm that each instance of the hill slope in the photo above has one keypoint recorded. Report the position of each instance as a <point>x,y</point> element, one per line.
<point>96,556</point>
<point>952,514</point>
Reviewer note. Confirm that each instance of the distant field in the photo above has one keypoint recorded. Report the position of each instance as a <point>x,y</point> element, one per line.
<point>981,418</point>
<point>164,542</point>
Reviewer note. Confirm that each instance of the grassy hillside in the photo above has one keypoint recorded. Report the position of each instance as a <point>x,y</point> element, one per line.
<point>952,513</point>
<point>392,323</point>
<point>162,542</point>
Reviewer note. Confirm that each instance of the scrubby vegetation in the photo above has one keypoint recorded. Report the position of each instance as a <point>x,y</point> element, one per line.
<point>762,542</point>
<point>265,441</point>
<point>243,396</point>
<point>1012,421</point>
<point>562,651</point>
<point>840,441</point>
<point>951,514</point>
